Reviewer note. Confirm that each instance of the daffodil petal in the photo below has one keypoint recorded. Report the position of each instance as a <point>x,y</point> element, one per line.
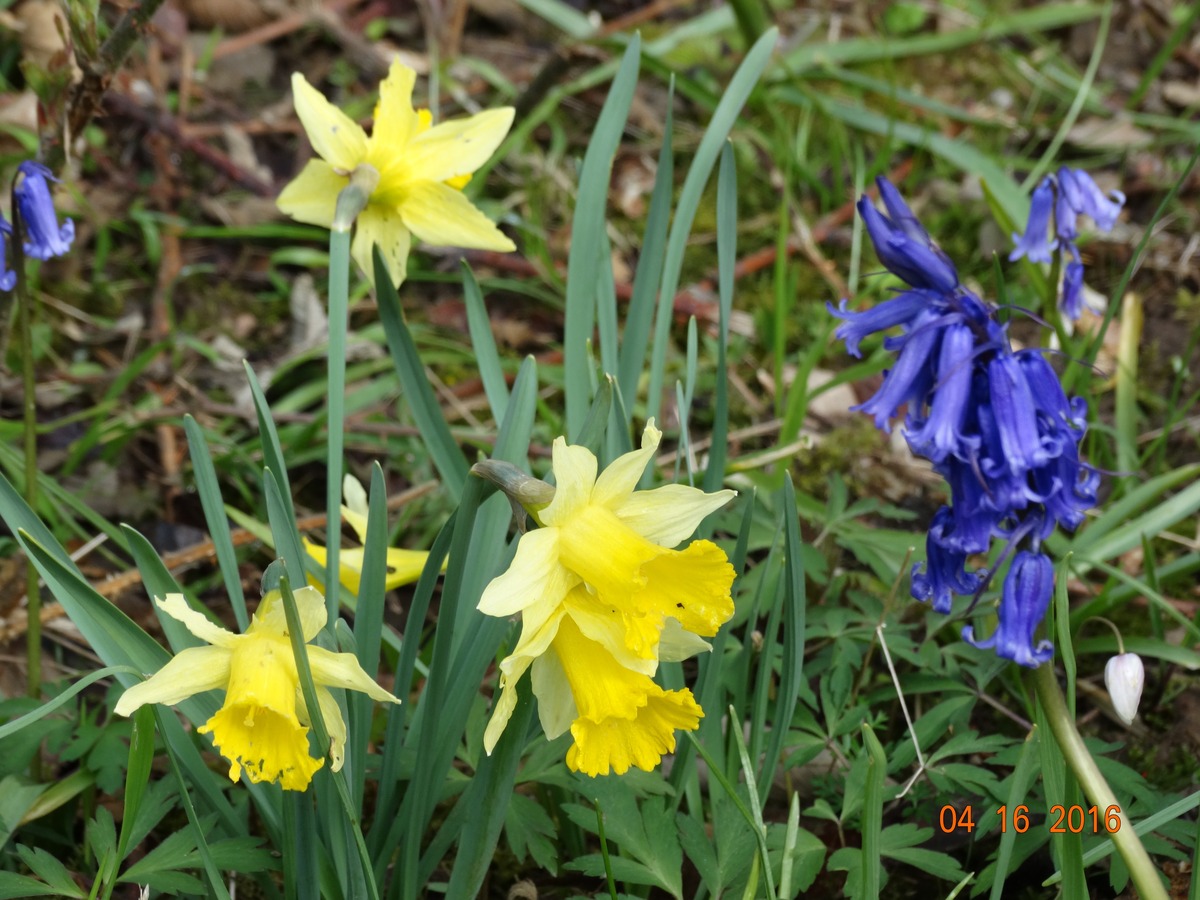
<point>505,703</point>
<point>336,137</point>
<point>556,705</point>
<point>534,575</point>
<point>457,147</point>
<point>619,479</point>
<point>404,566</point>
<point>383,226</point>
<point>176,606</point>
<point>574,479</point>
<point>596,621</point>
<point>335,725</point>
<point>676,643</point>
<point>343,670</point>
<point>669,514</point>
<point>271,618</point>
<point>312,195</point>
<point>600,685</point>
<point>396,122</point>
<point>355,496</point>
<point>189,672</point>
<point>441,216</point>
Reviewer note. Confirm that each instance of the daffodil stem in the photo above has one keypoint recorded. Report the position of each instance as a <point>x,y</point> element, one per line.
<point>1141,868</point>
<point>339,303</point>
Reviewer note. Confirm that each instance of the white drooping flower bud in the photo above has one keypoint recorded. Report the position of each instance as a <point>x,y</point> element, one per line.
<point>1124,677</point>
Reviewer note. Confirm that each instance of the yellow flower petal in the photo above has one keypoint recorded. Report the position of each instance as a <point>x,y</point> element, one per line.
<point>669,514</point>
<point>271,618</point>
<point>534,575</point>
<point>396,123</point>
<point>355,509</point>
<point>343,670</point>
<point>383,226</point>
<point>534,641</point>
<point>556,703</point>
<point>335,136</point>
<point>312,195</point>
<point>176,606</point>
<point>676,644</point>
<point>257,729</point>
<point>335,725</point>
<point>441,216</point>
<point>190,672</point>
<point>608,627</point>
<point>574,478</point>
<point>619,478</point>
<point>601,686</point>
<point>458,147</point>
<point>607,555</point>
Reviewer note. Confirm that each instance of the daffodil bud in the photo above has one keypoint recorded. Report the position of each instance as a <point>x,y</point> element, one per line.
<point>526,493</point>
<point>1124,677</point>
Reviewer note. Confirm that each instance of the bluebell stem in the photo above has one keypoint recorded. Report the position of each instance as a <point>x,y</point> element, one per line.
<point>45,237</point>
<point>995,422</point>
<point>8,278</point>
<point>1063,198</point>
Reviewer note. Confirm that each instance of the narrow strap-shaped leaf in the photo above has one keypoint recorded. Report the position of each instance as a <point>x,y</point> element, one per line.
<point>484,344</point>
<point>724,117</point>
<point>159,582</point>
<point>214,515</point>
<point>714,475</point>
<point>587,258</point>
<point>269,435</point>
<point>872,813</point>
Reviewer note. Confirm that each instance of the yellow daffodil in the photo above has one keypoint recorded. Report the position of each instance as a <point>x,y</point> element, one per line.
<point>421,169</point>
<point>603,598</point>
<point>403,566</point>
<point>263,725</point>
<point>601,532</point>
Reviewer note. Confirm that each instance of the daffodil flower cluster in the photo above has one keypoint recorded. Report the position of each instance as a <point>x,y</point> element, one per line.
<point>45,237</point>
<point>604,598</point>
<point>262,727</point>
<point>1059,201</point>
<point>418,170</point>
<point>995,423</point>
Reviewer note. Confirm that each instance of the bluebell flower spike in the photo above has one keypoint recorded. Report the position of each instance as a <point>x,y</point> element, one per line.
<point>1063,198</point>
<point>45,237</point>
<point>995,423</point>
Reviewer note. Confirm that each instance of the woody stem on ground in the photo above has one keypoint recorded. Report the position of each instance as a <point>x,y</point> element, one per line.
<point>1141,868</point>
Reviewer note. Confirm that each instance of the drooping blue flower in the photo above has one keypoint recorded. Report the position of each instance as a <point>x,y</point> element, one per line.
<point>8,278</point>
<point>1069,194</point>
<point>1024,600</point>
<point>45,237</point>
<point>1035,243</point>
<point>995,423</point>
<point>903,246</point>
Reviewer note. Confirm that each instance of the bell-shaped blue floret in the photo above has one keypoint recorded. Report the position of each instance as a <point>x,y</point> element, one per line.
<point>903,246</point>
<point>944,572</point>
<point>1024,600</point>
<point>899,310</point>
<point>1035,243</point>
<point>46,238</point>
<point>911,378</point>
<point>1084,197</point>
<point>942,432</point>
<point>1014,411</point>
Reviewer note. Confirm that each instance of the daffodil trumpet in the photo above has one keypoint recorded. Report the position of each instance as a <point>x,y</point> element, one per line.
<point>262,727</point>
<point>603,598</point>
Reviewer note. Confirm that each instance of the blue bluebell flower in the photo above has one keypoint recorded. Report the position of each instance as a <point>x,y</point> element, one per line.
<point>1069,194</point>
<point>904,247</point>
<point>46,238</point>
<point>1024,600</point>
<point>995,423</point>
<point>8,278</point>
